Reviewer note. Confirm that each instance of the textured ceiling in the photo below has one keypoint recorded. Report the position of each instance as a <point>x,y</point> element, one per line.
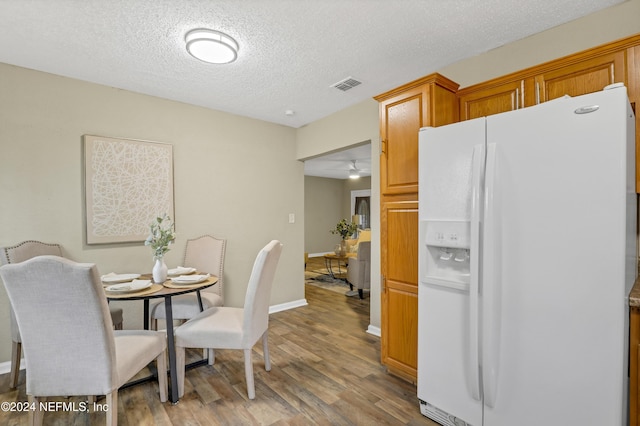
<point>291,51</point>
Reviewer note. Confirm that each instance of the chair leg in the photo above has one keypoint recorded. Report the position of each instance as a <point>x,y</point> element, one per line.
<point>265,350</point>
<point>16,352</point>
<point>118,326</point>
<point>36,416</point>
<point>161,365</point>
<point>154,324</point>
<point>180,366</point>
<point>112,408</point>
<point>248,372</point>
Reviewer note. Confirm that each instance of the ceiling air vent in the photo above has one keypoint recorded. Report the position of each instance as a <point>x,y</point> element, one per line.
<point>346,84</point>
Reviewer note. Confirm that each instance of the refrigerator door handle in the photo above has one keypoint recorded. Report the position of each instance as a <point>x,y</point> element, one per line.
<point>478,160</point>
<point>491,282</point>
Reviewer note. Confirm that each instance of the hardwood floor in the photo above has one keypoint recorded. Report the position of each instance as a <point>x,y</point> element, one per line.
<point>325,370</point>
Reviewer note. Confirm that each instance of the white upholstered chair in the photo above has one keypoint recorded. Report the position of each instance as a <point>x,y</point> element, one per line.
<point>71,348</point>
<point>206,254</point>
<point>359,268</point>
<point>19,253</point>
<point>235,328</point>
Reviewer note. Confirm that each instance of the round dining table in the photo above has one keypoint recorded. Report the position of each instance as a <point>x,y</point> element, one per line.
<point>166,291</point>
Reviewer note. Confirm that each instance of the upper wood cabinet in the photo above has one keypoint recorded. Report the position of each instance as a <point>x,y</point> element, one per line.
<point>429,101</point>
<point>574,75</point>
<point>633,85</point>
<point>489,99</point>
<point>581,77</point>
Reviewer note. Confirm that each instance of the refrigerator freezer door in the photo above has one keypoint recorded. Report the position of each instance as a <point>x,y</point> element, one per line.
<point>448,370</point>
<point>563,207</point>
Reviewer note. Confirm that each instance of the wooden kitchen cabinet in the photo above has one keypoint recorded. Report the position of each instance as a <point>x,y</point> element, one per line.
<point>633,86</point>
<point>574,75</point>
<point>493,98</point>
<point>582,77</point>
<point>429,101</point>
<point>399,261</point>
<point>634,363</point>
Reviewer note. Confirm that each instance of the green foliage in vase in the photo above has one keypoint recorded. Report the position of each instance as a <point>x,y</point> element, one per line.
<point>345,229</point>
<point>162,234</point>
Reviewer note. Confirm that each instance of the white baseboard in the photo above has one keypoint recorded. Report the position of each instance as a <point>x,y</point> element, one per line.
<point>288,305</point>
<point>5,367</point>
<point>374,330</point>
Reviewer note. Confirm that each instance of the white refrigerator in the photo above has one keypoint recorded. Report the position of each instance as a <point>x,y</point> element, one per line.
<point>527,255</point>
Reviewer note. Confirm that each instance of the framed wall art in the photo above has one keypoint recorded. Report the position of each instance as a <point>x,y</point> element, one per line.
<point>128,183</point>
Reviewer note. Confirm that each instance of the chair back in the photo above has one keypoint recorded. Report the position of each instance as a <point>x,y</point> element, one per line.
<point>26,250</point>
<point>364,251</point>
<point>364,258</point>
<point>206,254</point>
<point>256,303</point>
<point>65,325</point>
<point>19,253</point>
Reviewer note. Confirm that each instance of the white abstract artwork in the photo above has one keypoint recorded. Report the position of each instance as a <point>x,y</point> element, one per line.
<point>128,184</point>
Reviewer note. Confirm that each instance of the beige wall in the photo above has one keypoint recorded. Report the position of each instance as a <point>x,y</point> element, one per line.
<point>234,177</point>
<point>326,201</point>
<point>322,208</point>
<point>351,126</point>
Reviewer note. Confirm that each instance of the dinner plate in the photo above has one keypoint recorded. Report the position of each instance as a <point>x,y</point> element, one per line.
<point>190,279</point>
<point>135,285</point>
<point>118,278</point>
<point>180,270</point>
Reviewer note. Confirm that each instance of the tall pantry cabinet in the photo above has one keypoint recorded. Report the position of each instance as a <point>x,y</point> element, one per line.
<point>429,101</point>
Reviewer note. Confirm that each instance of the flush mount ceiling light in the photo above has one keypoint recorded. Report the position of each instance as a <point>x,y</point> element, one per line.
<point>211,46</point>
<point>354,173</point>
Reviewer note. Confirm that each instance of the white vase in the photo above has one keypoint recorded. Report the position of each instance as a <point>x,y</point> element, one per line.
<point>159,271</point>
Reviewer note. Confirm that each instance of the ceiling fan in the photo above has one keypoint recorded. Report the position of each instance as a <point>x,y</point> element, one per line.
<point>354,173</point>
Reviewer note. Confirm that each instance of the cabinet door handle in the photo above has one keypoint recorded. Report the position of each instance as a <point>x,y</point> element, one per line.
<point>537,92</point>
<point>517,98</point>
<point>383,147</point>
